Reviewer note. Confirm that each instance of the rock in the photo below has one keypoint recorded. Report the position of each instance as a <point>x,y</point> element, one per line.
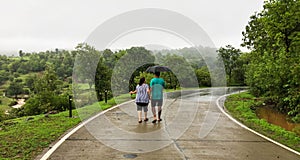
<point>53,112</point>
<point>29,118</point>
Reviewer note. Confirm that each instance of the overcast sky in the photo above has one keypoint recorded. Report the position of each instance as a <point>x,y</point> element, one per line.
<point>39,25</point>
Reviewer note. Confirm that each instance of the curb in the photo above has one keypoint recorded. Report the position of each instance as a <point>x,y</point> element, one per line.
<point>251,130</point>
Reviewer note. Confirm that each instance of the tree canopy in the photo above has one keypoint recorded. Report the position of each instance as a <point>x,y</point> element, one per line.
<point>274,68</point>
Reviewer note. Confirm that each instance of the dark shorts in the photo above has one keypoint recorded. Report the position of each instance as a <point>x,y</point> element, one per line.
<point>156,102</point>
<point>142,106</point>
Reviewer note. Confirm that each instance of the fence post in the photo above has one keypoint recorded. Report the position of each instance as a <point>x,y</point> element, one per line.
<point>70,106</point>
<point>105,96</point>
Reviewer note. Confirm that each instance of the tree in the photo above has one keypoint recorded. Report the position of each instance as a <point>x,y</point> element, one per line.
<point>129,65</point>
<point>48,82</point>
<point>47,94</point>
<point>229,56</point>
<point>203,77</point>
<point>14,89</point>
<point>183,72</point>
<point>3,76</point>
<point>102,79</point>
<point>109,58</point>
<point>87,60</point>
<point>14,66</point>
<point>21,54</point>
<point>273,70</point>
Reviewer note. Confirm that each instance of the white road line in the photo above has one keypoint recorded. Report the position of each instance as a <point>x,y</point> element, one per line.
<point>54,147</point>
<point>242,125</point>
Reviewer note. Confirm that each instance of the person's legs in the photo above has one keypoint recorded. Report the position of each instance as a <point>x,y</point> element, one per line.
<point>153,104</point>
<point>153,111</point>
<point>159,109</point>
<point>159,113</point>
<point>145,113</point>
<point>140,116</point>
<point>139,110</point>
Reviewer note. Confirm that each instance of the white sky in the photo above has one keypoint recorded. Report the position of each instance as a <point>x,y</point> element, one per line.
<point>39,25</point>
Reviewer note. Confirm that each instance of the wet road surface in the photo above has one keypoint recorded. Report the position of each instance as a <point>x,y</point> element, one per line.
<point>193,127</point>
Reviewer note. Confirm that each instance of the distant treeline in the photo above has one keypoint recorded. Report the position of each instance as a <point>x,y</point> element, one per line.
<point>45,78</point>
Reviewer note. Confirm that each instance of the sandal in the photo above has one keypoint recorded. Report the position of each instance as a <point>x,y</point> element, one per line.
<point>146,119</point>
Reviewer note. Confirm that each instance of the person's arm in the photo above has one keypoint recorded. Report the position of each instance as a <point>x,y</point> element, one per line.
<point>148,91</point>
<point>132,92</point>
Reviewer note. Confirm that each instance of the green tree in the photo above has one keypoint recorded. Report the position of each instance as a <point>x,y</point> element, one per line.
<point>130,64</point>
<point>102,79</point>
<point>229,55</point>
<point>273,35</point>
<point>87,59</point>
<point>4,76</point>
<point>203,77</point>
<point>48,82</point>
<point>109,58</point>
<point>184,74</point>
<point>47,94</point>
<point>29,82</point>
<point>14,66</point>
<point>14,89</point>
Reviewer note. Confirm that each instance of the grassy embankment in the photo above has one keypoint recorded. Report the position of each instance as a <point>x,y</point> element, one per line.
<point>239,106</point>
<point>22,138</point>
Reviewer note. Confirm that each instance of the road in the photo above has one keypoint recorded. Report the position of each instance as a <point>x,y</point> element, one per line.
<point>193,128</point>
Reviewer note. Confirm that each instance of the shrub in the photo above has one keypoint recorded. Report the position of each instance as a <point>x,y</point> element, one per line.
<point>60,102</point>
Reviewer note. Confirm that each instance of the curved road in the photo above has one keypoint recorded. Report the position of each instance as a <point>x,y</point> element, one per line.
<point>193,127</point>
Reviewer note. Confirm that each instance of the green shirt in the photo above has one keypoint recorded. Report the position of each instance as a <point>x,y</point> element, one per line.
<point>157,85</point>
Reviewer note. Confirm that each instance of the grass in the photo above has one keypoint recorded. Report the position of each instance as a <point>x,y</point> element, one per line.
<point>5,101</point>
<point>239,106</point>
<point>21,138</point>
<point>24,139</point>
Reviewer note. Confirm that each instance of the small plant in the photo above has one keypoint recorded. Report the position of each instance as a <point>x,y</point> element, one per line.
<point>296,119</point>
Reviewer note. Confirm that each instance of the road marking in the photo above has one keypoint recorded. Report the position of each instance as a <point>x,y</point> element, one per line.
<point>63,139</point>
<point>243,126</point>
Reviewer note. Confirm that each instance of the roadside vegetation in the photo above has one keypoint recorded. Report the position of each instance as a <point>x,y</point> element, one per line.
<point>27,137</point>
<point>242,106</point>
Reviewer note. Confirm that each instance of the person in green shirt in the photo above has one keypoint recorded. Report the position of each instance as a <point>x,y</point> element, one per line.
<point>157,85</point>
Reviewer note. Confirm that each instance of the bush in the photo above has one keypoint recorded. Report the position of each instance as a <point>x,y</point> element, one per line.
<point>43,104</point>
<point>60,102</point>
<point>296,119</point>
<point>33,106</point>
<point>16,112</point>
